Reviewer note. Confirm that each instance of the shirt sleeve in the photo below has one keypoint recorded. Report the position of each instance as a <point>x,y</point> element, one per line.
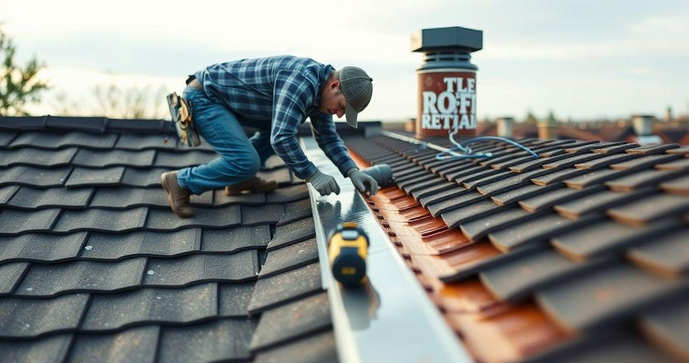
<point>327,138</point>
<point>291,95</point>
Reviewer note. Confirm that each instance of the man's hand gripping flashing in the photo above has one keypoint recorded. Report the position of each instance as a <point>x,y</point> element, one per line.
<point>363,182</point>
<point>324,183</point>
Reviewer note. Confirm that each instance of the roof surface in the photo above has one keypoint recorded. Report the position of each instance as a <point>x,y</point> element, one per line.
<point>94,265</point>
<point>581,253</point>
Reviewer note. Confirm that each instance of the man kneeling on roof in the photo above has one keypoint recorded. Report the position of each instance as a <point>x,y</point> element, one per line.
<point>274,95</point>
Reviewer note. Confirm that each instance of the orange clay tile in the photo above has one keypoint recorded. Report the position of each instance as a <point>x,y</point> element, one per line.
<point>492,331</point>
<point>509,336</point>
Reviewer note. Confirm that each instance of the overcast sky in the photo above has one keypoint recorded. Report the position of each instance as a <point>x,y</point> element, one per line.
<point>581,59</point>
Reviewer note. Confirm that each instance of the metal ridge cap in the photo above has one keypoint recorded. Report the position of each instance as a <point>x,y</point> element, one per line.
<point>379,321</point>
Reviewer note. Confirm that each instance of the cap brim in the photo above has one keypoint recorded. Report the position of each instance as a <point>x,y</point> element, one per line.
<point>351,115</point>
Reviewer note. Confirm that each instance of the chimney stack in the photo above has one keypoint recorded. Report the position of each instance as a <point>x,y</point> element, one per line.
<point>447,81</point>
<point>547,129</point>
<point>505,127</point>
<point>643,124</point>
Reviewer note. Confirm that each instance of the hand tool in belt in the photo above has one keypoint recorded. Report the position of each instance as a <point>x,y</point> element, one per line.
<point>180,110</point>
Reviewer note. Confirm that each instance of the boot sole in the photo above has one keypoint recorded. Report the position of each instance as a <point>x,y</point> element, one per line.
<point>166,187</point>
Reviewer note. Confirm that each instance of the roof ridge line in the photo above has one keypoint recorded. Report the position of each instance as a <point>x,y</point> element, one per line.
<point>92,124</point>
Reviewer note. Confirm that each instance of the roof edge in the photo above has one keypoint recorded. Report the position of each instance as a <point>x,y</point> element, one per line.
<point>96,125</point>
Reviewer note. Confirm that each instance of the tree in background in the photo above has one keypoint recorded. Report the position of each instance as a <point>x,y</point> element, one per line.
<point>17,85</point>
<point>130,103</point>
<point>530,118</point>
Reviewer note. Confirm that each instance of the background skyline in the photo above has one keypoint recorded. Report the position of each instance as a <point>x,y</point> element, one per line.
<point>581,59</point>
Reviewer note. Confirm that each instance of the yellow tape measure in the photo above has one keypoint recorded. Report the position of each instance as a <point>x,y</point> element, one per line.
<point>348,248</point>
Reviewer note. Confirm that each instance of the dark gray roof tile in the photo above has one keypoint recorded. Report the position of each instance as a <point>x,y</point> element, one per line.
<point>603,296</point>
<point>507,217</point>
<point>142,142</point>
<point>220,199</point>
<point>557,176</point>
<point>536,231</point>
<point>47,280</point>
<point>640,179</point>
<point>82,177</point>
<point>668,326</point>
<point>557,196</point>
<point>469,213</point>
<point>652,149</point>
<point>233,299</point>
<point>521,193</point>
<point>487,179</point>
<point>131,345</point>
<point>579,148</point>
<point>102,159</point>
<point>10,274</point>
<point>6,193</point>
<point>510,181</point>
<point>29,198</point>
<point>143,177</point>
<point>409,188</point>
<point>598,202</point>
<point>454,192</point>
<point>587,243</point>
<point>108,246</point>
<point>684,150</point>
<point>292,321</point>
<point>517,279</point>
<point>462,200</point>
<point>220,340</point>
<point>288,194</point>
<point>58,141</point>
<point>30,176</point>
<point>294,232</point>
<point>570,161</point>
<point>22,318</point>
<point>614,149</point>
<point>595,177</point>
<point>145,306</point>
<point>41,247</point>
<point>270,213</point>
<point>125,198</point>
<point>645,162</point>
<point>183,160</point>
<point>679,186</point>
<point>51,349</point>
<point>101,220</point>
<point>295,211</point>
<point>464,171</point>
<point>667,255</point>
<point>165,220</point>
<point>6,138</point>
<point>319,348</point>
<point>651,208</point>
<point>433,189</point>
<point>289,286</point>
<point>236,239</point>
<point>18,222</point>
<point>287,258</point>
<point>605,161</point>
<point>240,266</point>
<point>538,163</point>
<point>37,157</point>
<point>676,165</point>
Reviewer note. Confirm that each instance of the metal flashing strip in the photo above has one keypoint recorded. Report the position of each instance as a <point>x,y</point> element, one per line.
<point>412,140</point>
<point>390,318</point>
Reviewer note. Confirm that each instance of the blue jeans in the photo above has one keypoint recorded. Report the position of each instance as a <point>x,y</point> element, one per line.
<point>240,157</point>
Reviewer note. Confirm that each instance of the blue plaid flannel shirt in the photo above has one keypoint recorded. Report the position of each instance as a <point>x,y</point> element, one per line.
<point>284,90</point>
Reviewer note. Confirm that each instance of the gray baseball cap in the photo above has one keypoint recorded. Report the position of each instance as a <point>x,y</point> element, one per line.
<point>357,88</point>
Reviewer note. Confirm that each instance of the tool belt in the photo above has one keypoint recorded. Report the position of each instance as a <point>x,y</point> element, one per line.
<point>180,110</point>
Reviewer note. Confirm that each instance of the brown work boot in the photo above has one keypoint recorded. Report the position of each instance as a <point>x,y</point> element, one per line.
<point>253,185</point>
<point>177,197</point>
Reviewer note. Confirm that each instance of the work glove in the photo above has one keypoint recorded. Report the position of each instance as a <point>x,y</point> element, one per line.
<point>324,183</point>
<point>363,182</point>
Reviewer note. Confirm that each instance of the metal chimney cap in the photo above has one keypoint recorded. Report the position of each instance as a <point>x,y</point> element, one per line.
<point>451,38</point>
